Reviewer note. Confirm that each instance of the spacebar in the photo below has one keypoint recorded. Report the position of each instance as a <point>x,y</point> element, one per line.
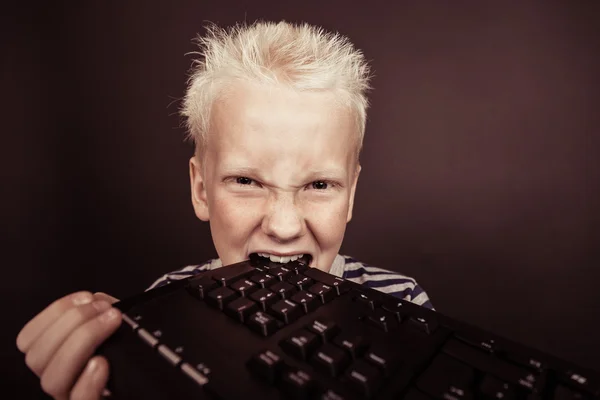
<point>139,372</point>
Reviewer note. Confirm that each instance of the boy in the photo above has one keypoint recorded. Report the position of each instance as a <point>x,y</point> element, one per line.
<point>277,113</point>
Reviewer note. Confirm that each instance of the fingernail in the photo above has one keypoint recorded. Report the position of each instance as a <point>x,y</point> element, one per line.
<point>109,315</point>
<point>92,366</point>
<point>82,298</point>
<point>100,305</point>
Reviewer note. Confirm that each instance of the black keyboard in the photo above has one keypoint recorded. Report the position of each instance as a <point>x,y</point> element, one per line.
<point>264,330</point>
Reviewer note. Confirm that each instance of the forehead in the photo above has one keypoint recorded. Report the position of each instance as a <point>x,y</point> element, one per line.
<point>275,122</point>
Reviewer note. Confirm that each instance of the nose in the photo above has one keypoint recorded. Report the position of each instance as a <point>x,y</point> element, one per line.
<point>284,221</point>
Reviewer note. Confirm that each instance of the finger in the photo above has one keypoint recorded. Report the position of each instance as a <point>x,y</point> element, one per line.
<point>106,297</point>
<point>41,351</point>
<point>67,363</point>
<point>37,325</point>
<point>92,381</point>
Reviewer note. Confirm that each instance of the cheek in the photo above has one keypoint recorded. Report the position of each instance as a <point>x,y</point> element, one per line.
<point>328,222</point>
<point>235,215</point>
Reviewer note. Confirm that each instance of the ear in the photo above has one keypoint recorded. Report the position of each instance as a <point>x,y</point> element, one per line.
<point>198,189</point>
<point>352,192</point>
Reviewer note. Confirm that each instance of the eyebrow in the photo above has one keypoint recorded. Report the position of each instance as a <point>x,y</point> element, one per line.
<point>325,173</point>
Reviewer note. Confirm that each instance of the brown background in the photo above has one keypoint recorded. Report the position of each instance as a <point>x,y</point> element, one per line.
<point>479,176</point>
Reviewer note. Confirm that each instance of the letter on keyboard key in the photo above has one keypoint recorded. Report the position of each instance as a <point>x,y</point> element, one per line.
<point>263,323</point>
<point>266,366</point>
<point>384,357</point>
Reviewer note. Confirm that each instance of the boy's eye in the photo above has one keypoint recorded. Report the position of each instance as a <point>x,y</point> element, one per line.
<point>320,185</point>
<point>242,180</point>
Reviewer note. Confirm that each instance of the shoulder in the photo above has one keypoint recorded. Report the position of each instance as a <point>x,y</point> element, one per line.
<point>394,283</point>
<point>184,272</point>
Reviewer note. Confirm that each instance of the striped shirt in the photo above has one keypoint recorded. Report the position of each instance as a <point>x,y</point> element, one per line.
<point>345,267</point>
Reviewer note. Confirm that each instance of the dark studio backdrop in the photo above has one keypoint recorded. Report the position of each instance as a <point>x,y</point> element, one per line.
<point>479,175</point>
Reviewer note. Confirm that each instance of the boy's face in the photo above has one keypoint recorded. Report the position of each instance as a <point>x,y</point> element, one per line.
<point>278,174</point>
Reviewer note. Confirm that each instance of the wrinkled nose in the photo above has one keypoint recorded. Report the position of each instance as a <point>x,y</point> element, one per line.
<point>284,221</point>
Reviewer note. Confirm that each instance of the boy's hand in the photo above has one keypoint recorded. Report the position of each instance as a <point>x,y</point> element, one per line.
<point>59,341</point>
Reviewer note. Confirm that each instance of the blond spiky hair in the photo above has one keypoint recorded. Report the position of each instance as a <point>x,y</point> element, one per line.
<point>302,57</point>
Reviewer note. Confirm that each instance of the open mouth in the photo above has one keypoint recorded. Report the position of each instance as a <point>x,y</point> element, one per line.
<point>296,258</point>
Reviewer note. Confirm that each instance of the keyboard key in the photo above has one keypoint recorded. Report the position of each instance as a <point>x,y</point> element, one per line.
<point>286,311</point>
<point>308,301</point>
<point>323,292</point>
<point>581,381</point>
<point>339,285</point>
<point>263,279</point>
<point>301,344</point>
<point>193,373</point>
<point>384,357</point>
<point>324,328</point>
<point>263,323</point>
<point>297,384</point>
<point>382,319</point>
<point>478,340</point>
<point>285,290</point>
<point>298,266</point>
<point>507,372</point>
<point>148,337</point>
<point>525,360</point>
<point>241,309</point>
<point>265,298</point>
<point>281,273</point>
<point>415,394</point>
<point>493,388</point>
<point>396,307</point>
<point>300,281</point>
<point>199,287</point>
<point>244,287</point>
<point>330,359</point>
<point>229,274</point>
<point>266,366</point>
<point>355,345</point>
<point>367,300</point>
<point>330,394</point>
<point>426,324</point>
<point>220,297</point>
<point>364,377</point>
<point>564,393</point>
<point>169,354</point>
<point>447,377</point>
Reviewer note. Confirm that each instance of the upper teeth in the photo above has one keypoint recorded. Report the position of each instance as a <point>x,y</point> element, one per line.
<point>280,259</point>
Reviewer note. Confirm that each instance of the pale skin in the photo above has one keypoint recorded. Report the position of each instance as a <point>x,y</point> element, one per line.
<point>278,175</point>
